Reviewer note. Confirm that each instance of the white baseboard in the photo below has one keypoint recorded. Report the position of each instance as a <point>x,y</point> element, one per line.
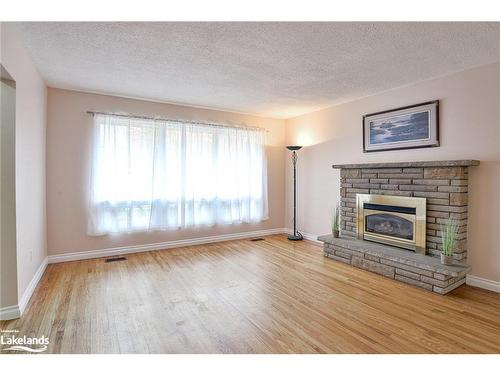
<point>482,283</point>
<point>68,257</point>
<point>25,298</point>
<point>307,236</point>
<point>10,312</point>
<point>14,312</point>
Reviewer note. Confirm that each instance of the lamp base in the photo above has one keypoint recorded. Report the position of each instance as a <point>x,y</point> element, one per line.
<point>297,237</point>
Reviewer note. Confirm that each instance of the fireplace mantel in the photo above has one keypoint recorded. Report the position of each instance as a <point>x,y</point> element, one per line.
<point>410,164</point>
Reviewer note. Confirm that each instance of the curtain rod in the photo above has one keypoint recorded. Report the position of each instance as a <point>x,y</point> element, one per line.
<point>176,120</point>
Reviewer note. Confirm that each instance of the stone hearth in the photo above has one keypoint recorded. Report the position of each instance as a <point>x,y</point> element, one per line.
<point>444,184</point>
<point>426,272</point>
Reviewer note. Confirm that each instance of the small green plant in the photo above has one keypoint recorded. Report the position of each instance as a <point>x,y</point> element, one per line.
<point>336,219</point>
<point>449,233</point>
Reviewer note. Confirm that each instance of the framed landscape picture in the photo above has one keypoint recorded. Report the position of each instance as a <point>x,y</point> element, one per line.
<point>402,128</point>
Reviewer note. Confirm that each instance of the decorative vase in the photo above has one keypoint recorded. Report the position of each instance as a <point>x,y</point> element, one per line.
<point>336,233</point>
<point>446,259</point>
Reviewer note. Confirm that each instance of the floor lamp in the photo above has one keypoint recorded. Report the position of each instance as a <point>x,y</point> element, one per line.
<point>296,236</point>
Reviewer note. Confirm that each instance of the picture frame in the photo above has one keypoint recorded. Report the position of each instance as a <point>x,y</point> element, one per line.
<point>415,126</point>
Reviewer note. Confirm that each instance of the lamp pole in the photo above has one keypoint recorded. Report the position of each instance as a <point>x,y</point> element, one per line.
<point>296,236</point>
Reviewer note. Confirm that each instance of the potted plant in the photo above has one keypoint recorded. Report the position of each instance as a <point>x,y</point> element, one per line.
<point>448,238</point>
<point>336,222</point>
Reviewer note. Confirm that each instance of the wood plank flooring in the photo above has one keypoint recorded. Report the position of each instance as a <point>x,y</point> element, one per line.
<point>271,296</point>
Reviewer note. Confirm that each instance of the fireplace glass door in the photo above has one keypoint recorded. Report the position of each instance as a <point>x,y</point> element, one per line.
<point>390,224</point>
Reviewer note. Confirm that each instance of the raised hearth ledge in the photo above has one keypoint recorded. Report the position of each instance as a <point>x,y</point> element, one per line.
<point>422,271</point>
<point>410,164</point>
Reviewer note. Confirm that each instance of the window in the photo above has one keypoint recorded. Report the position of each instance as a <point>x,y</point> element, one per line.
<point>158,174</point>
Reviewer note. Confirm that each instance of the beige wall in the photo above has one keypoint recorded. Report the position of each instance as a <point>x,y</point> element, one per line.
<point>469,127</point>
<point>68,151</point>
<point>31,96</point>
<point>8,256</point>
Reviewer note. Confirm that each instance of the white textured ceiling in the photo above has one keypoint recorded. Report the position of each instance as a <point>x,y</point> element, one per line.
<point>271,69</point>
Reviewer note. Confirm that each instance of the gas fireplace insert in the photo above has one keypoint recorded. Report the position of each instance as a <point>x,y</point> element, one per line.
<point>392,220</point>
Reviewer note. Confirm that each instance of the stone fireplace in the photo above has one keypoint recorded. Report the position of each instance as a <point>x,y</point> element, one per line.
<point>402,206</point>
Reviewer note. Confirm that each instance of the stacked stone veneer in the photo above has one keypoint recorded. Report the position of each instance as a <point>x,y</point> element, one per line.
<point>444,184</point>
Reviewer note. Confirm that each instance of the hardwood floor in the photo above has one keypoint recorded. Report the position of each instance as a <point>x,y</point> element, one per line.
<point>271,296</point>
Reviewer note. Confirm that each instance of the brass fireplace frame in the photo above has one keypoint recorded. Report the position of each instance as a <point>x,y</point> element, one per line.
<point>418,220</point>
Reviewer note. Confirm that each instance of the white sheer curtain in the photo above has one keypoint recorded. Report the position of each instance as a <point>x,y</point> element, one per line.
<point>157,174</point>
